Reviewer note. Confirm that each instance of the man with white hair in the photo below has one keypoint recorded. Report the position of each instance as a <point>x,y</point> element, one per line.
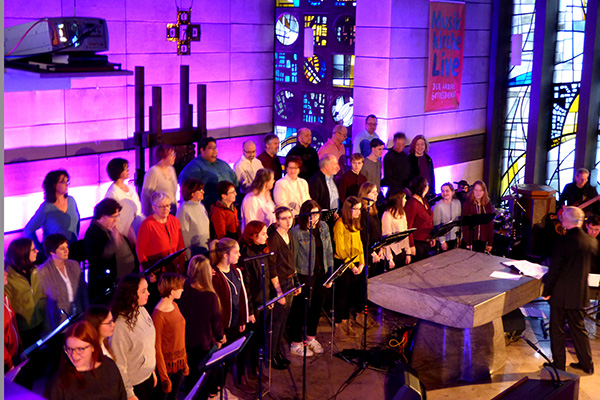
<point>322,187</point>
<point>566,289</point>
<point>245,168</point>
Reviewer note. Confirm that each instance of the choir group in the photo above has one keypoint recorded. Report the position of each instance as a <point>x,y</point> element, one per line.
<point>145,335</point>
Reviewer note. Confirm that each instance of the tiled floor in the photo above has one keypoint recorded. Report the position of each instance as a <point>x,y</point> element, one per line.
<point>326,375</point>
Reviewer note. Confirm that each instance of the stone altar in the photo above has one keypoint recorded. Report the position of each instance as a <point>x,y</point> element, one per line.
<point>460,307</point>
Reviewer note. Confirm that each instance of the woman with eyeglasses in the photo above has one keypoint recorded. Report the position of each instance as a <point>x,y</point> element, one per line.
<point>102,319</point>
<point>320,251</point>
<point>223,214</point>
<point>291,191</point>
<point>160,178</point>
<point>348,244</point>
<point>84,372</point>
<point>58,213</point>
<point>134,337</point>
<point>62,282</point>
<point>160,235</point>
<point>24,289</point>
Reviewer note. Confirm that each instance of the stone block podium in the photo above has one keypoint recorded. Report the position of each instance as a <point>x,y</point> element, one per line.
<point>460,335</point>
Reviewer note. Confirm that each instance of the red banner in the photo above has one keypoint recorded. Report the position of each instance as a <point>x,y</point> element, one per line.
<point>446,49</point>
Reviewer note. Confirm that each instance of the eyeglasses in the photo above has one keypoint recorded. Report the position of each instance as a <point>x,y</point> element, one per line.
<point>66,182</point>
<point>76,350</point>
<point>163,207</point>
<point>234,192</point>
<point>356,209</point>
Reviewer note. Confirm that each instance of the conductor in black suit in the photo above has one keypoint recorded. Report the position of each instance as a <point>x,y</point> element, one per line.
<point>566,289</point>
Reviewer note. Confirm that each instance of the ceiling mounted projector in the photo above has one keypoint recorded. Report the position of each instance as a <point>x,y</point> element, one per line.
<point>57,36</point>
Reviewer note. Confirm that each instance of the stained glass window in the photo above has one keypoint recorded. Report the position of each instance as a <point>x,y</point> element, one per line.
<point>343,70</point>
<point>287,29</point>
<point>287,3</point>
<point>285,104</point>
<point>342,3</point>
<point>313,107</point>
<point>342,110</point>
<point>319,25</point>
<point>314,69</point>
<point>287,139</point>
<point>286,67</point>
<point>568,64</point>
<point>345,28</point>
<point>516,117</point>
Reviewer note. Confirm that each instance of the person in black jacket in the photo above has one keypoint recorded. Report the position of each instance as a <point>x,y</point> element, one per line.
<point>322,186</point>
<point>396,165</point>
<point>309,156</point>
<point>566,289</point>
<point>579,191</point>
<point>109,253</point>
<point>420,162</point>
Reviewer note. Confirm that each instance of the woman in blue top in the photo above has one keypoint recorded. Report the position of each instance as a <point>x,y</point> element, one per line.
<point>58,213</point>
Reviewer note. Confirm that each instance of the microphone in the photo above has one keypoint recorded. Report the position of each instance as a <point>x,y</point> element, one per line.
<point>556,382</point>
<point>368,199</point>
<point>259,256</point>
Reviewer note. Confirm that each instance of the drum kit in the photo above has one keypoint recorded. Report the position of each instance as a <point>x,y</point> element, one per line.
<point>508,227</point>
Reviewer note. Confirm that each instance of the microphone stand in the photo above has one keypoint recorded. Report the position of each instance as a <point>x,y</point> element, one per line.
<point>261,350</point>
<point>557,382</point>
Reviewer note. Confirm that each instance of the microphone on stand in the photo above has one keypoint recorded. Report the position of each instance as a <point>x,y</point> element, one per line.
<point>259,256</point>
<point>368,199</point>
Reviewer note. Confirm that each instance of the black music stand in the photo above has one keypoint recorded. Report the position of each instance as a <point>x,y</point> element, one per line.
<point>164,261</point>
<point>445,229</point>
<point>476,220</point>
<point>218,359</point>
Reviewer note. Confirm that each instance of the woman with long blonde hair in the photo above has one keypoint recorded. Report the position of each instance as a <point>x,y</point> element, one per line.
<point>204,324</point>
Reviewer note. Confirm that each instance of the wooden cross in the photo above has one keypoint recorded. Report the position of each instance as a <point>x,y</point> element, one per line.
<point>183,32</point>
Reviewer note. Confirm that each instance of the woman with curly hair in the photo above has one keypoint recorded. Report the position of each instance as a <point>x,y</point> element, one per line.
<point>85,373</point>
<point>134,337</point>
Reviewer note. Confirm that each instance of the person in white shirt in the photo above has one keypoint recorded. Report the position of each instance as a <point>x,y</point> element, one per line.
<point>131,216</point>
<point>193,217</point>
<point>258,204</point>
<point>246,167</point>
<point>291,191</point>
<point>160,178</point>
<point>394,221</point>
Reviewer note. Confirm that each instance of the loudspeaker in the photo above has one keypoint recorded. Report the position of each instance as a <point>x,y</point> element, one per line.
<point>514,321</point>
<point>402,383</point>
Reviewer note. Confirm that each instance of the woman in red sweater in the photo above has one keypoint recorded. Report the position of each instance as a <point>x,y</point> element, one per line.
<point>481,237</point>
<point>419,215</point>
<point>223,214</point>
<point>160,235</point>
<point>171,357</point>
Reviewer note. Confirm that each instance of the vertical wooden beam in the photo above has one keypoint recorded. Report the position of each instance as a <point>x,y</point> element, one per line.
<point>140,155</point>
<point>185,117</point>
<point>497,87</point>
<point>201,93</point>
<point>589,92</point>
<point>540,106</point>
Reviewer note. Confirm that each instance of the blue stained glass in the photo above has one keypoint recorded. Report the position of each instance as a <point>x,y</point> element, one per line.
<point>520,80</point>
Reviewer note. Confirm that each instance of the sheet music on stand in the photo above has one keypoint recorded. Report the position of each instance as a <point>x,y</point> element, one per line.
<point>328,214</point>
<point>260,308</point>
<point>527,268</point>
<point>338,272</point>
<point>594,280</point>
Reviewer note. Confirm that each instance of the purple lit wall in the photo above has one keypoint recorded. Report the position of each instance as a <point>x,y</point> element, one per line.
<point>390,81</point>
<point>82,127</point>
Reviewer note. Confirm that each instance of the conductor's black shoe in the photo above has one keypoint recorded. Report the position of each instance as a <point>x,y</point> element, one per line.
<point>589,370</point>
<point>281,359</point>
<point>277,365</point>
